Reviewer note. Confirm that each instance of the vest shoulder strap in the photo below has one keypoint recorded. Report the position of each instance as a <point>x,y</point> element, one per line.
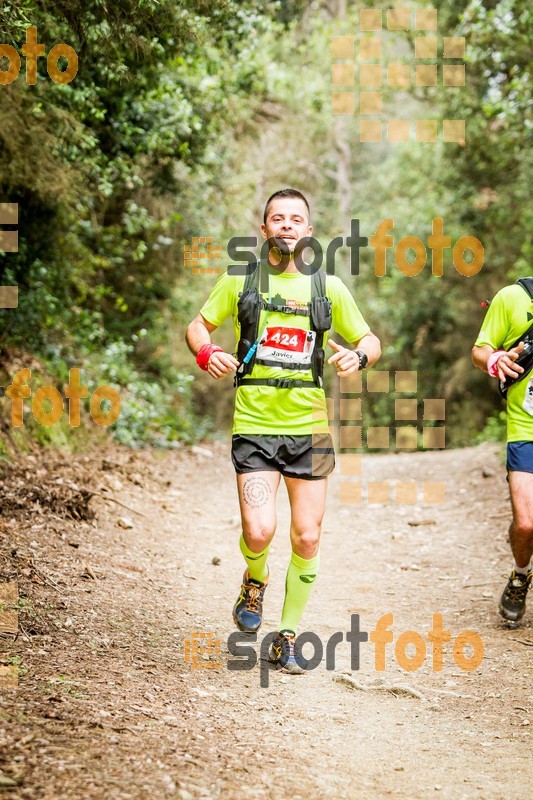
<point>318,286</point>
<point>527,285</point>
<point>252,276</point>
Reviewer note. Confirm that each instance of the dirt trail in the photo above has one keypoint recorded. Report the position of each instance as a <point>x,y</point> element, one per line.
<point>107,705</point>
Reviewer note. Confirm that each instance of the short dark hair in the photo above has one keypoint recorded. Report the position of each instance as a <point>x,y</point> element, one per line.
<point>286,193</point>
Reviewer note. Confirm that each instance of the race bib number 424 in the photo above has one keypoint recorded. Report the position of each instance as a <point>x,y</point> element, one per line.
<point>287,345</point>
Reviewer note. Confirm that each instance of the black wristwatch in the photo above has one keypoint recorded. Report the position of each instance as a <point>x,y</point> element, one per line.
<point>363,358</point>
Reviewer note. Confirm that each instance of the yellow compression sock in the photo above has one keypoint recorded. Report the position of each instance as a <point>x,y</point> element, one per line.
<point>257,562</point>
<point>298,584</point>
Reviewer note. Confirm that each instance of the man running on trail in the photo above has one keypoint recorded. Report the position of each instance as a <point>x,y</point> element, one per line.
<point>504,349</point>
<point>280,317</point>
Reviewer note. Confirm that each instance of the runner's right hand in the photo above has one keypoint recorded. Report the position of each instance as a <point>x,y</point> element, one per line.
<point>506,365</point>
<point>221,363</point>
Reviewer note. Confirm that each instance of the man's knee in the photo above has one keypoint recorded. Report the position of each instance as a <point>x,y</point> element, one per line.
<point>307,542</point>
<point>523,528</point>
<point>258,536</point>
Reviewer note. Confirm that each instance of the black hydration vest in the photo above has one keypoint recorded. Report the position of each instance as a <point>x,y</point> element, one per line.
<point>525,359</point>
<point>251,303</point>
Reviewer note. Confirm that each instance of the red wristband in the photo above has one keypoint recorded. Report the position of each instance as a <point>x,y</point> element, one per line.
<point>205,353</point>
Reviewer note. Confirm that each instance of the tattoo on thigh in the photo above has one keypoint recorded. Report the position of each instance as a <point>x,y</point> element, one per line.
<point>256,492</point>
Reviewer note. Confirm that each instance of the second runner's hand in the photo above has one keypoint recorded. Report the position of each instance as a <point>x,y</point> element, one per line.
<point>506,365</point>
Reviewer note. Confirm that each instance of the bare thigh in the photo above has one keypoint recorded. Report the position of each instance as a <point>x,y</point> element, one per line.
<point>257,500</point>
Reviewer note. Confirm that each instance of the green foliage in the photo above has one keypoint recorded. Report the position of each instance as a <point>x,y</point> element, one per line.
<point>495,429</point>
<point>156,413</point>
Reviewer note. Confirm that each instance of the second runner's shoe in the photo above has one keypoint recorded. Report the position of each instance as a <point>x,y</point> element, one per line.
<point>513,600</point>
<point>285,654</point>
<point>248,610</point>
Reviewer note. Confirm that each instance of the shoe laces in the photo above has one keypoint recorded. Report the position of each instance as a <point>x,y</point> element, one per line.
<point>517,587</point>
<point>288,643</point>
<point>254,596</point>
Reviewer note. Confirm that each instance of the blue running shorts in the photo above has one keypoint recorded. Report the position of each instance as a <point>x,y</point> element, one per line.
<point>520,457</point>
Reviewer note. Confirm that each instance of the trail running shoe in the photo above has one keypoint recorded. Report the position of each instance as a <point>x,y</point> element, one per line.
<point>284,653</point>
<point>248,610</point>
<point>513,600</point>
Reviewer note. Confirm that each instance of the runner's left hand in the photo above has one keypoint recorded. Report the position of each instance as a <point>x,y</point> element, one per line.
<point>345,360</point>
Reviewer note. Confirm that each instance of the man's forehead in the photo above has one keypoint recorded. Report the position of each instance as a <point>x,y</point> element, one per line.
<point>287,205</point>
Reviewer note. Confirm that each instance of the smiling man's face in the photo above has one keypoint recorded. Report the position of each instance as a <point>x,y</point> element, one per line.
<point>287,219</point>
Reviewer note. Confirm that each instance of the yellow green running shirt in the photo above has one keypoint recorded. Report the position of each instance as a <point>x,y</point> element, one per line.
<point>267,409</point>
<point>506,320</point>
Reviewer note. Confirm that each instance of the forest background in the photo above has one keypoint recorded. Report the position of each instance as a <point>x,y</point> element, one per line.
<point>183,117</point>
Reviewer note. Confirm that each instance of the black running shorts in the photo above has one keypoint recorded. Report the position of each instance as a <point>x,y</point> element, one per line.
<point>310,457</point>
